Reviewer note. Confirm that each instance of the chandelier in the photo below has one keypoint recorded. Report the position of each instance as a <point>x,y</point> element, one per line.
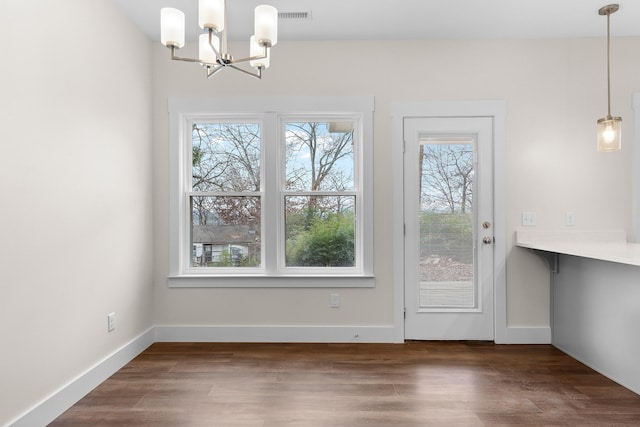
<point>212,53</point>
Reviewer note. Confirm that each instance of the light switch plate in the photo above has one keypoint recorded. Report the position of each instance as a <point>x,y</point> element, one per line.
<point>528,219</point>
<point>111,322</point>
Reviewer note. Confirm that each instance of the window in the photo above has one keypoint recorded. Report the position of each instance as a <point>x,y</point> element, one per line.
<point>271,192</point>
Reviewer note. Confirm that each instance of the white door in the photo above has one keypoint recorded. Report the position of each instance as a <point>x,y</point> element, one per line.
<point>448,214</point>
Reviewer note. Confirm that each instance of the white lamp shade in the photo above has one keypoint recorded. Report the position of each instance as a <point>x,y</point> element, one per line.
<point>171,27</point>
<point>610,134</point>
<point>211,14</point>
<point>206,53</point>
<point>256,50</point>
<point>266,25</point>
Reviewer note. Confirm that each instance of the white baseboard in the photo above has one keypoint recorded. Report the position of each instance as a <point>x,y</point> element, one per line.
<point>321,334</point>
<point>276,333</point>
<point>524,335</point>
<point>53,406</point>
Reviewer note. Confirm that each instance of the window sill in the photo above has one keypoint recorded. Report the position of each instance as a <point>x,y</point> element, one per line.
<point>262,281</point>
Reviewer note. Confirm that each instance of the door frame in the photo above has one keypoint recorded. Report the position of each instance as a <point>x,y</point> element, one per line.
<point>496,109</point>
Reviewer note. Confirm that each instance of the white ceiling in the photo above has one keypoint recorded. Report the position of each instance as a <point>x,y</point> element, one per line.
<point>409,19</point>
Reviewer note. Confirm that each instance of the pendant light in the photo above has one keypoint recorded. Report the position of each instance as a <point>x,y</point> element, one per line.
<point>609,127</point>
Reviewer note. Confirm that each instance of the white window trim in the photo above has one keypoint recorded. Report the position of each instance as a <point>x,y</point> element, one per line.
<point>181,108</point>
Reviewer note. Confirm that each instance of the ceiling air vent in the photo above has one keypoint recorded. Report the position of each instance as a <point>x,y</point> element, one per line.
<point>295,16</point>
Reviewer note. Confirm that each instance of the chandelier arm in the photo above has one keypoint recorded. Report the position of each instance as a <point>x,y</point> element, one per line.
<point>212,70</point>
<point>257,75</point>
<point>253,58</point>
<point>182,58</point>
<point>218,54</point>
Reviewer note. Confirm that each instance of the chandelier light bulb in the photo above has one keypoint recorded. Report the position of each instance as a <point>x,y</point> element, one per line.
<point>206,54</point>
<point>172,27</point>
<point>211,14</point>
<point>266,25</point>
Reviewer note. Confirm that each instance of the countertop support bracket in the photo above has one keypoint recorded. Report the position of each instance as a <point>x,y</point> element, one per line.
<point>552,259</point>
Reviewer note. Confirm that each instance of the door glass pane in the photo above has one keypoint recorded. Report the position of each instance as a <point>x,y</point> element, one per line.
<point>446,268</point>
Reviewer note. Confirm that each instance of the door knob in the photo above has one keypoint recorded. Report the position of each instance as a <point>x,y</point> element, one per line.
<point>487,240</point>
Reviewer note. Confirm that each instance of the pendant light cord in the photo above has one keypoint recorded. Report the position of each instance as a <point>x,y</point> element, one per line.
<point>608,68</point>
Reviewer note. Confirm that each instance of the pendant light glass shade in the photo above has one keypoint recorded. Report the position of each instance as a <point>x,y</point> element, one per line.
<point>610,134</point>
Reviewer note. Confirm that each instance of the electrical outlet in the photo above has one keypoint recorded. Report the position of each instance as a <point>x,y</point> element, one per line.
<point>111,321</point>
<point>335,300</point>
<point>528,219</point>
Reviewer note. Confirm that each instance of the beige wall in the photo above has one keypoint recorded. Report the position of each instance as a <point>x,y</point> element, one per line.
<point>75,186</point>
<point>554,90</point>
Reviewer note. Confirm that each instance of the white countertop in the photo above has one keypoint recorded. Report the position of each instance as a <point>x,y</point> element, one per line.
<point>602,245</point>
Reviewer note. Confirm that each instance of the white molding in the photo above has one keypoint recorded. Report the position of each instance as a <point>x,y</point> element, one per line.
<point>487,108</point>
<point>635,210</point>
<point>525,335</point>
<point>326,281</point>
<point>260,104</point>
<point>53,406</point>
<point>278,333</point>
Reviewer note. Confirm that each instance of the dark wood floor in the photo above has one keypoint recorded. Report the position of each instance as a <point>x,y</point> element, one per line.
<point>412,384</point>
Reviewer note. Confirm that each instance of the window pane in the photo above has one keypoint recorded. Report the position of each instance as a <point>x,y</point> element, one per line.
<point>320,231</point>
<point>319,156</point>
<point>225,231</point>
<point>225,157</point>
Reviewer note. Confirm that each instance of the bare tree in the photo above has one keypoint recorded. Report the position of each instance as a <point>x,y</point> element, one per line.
<point>324,150</point>
<point>447,176</point>
<point>225,157</point>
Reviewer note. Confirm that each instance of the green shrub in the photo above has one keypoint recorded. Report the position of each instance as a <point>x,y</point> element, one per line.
<point>327,241</point>
<point>447,234</point>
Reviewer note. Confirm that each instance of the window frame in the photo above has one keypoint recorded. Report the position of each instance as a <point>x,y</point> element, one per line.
<point>272,114</point>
